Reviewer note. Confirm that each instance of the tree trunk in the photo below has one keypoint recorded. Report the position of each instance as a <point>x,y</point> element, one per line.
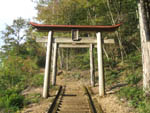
<point>122,50</point>
<point>67,60</point>
<point>60,55</point>
<point>145,45</point>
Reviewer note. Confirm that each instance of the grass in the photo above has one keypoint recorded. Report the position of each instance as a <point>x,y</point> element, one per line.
<point>135,98</point>
<point>11,100</point>
<point>112,77</point>
<point>37,80</point>
<point>73,75</point>
<point>129,72</point>
<point>32,98</point>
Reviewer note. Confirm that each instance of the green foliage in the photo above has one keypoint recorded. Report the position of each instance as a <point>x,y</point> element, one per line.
<point>76,76</point>
<point>82,61</point>
<point>14,75</point>
<point>134,60</point>
<point>136,98</point>
<point>19,65</point>
<point>109,63</point>
<point>22,56</point>
<point>133,94</point>
<point>32,98</point>
<point>37,80</point>
<point>112,76</point>
<point>13,36</point>
<point>79,59</point>
<point>11,100</point>
<point>133,79</point>
<point>143,107</point>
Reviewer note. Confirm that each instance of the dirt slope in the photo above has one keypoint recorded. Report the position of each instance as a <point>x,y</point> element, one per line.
<point>110,103</point>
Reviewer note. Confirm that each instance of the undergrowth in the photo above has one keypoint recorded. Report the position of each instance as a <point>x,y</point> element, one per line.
<point>11,100</point>
<point>16,74</point>
<point>130,73</point>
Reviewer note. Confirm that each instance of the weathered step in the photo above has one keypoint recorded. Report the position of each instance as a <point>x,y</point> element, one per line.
<point>74,107</point>
<point>77,96</point>
<point>74,103</point>
<point>74,112</point>
<point>70,88</point>
<point>74,93</point>
<point>74,98</point>
<point>80,90</point>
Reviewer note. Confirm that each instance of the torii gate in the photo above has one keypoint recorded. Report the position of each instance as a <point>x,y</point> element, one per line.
<point>75,42</point>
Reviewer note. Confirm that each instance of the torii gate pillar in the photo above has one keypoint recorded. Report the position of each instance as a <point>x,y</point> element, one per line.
<point>100,65</point>
<point>48,65</point>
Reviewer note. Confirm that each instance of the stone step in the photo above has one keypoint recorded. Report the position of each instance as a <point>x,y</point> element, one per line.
<point>74,99</point>
<point>74,107</point>
<point>73,93</point>
<point>74,112</point>
<point>74,103</point>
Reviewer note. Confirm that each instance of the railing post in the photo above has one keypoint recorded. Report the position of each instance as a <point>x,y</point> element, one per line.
<point>48,65</point>
<point>100,65</point>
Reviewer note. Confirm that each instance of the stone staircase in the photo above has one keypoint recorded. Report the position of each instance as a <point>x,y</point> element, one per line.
<point>74,100</point>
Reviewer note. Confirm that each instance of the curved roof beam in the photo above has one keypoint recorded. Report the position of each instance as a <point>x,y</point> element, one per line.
<point>87,28</point>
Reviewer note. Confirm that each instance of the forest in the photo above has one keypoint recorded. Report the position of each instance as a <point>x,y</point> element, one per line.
<point>22,58</point>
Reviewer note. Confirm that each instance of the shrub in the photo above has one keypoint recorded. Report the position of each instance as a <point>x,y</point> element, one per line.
<point>112,76</point>
<point>143,107</point>
<point>133,79</point>
<point>11,100</point>
<point>131,93</point>
<point>37,80</point>
<point>14,76</point>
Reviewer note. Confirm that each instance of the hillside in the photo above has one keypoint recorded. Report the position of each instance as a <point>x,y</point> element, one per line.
<point>22,59</point>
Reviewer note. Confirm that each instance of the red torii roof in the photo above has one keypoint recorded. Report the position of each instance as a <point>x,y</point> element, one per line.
<point>89,28</point>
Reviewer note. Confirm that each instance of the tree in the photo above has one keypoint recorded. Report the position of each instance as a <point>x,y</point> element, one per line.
<point>18,64</point>
<point>145,44</point>
<point>14,35</point>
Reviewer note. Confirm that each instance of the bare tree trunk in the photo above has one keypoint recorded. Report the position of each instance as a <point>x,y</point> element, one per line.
<point>105,53</point>
<point>145,45</point>
<point>136,46</point>
<point>122,51</point>
<point>67,60</point>
<point>60,52</point>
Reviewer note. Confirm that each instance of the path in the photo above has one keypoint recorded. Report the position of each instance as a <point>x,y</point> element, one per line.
<point>110,103</point>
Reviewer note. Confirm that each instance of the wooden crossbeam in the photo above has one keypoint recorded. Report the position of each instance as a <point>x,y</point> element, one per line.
<point>70,41</point>
<point>76,46</point>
